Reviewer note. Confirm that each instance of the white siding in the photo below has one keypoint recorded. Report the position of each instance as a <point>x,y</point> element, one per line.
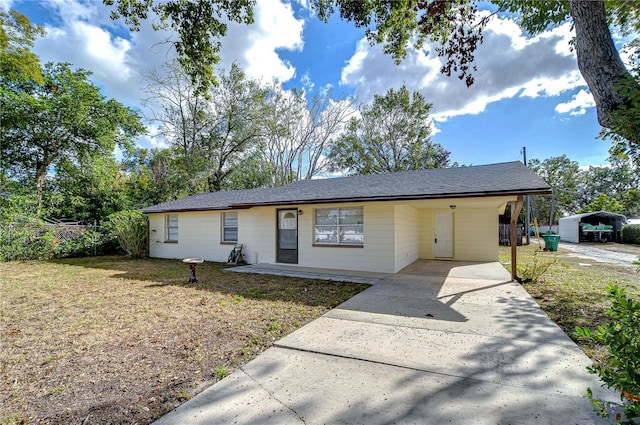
<point>377,253</point>
<point>199,235</point>
<point>406,236</point>
<point>395,234</point>
<point>476,234</point>
<point>257,231</point>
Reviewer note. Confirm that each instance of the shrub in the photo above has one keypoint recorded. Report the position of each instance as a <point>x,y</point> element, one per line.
<point>35,240</point>
<point>86,243</point>
<point>129,228</point>
<point>533,271</point>
<point>620,370</point>
<point>631,233</point>
<point>26,241</point>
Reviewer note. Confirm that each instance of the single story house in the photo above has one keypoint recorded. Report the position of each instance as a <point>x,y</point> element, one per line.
<point>380,223</point>
<point>592,226</point>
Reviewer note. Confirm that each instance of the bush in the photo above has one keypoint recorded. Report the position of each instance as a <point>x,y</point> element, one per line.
<point>620,370</point>
<point>26,241</point>
<point>129,228</point>
<point>35,240</point>
<point>533,271</point>
<point>631,233</point>
<point>86,244</point>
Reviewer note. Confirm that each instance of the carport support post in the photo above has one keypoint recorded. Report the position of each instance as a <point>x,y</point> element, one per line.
<point>516,207</point>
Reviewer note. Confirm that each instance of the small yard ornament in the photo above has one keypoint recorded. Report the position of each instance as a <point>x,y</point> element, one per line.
<point>193,262</point>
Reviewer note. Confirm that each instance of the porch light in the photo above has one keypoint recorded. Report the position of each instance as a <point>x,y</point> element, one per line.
<point>452,206</point>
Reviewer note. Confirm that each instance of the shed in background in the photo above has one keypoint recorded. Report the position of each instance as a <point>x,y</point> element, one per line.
<point>600,226</point>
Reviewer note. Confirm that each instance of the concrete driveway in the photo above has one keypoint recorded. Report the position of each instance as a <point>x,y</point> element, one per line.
<point>440,342</point>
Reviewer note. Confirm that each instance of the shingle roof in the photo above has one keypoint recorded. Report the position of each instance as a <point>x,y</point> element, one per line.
<point>509,178</point>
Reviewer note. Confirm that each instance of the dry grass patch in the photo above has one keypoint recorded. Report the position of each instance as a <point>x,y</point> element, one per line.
<point>573,294</point>
<point>115,340</point>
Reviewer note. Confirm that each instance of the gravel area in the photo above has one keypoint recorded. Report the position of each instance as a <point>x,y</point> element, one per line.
<point>612,253</point>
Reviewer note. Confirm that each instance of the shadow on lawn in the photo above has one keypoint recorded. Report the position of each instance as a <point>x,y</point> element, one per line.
<point>212,277</point>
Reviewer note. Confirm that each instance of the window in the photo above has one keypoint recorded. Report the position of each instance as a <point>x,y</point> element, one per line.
<point>171,234</point>
<point>339,226</point>
<point>230,227</point>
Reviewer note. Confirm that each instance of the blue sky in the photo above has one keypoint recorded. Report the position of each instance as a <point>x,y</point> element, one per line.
<point>528,91</point>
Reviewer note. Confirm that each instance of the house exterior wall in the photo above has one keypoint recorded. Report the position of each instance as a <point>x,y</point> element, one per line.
<point>426,230</point>
<point>406,236</point>
<point>395,234</point>
<point>476,234</point>
<point>199,235</point>
<point>377,254</point>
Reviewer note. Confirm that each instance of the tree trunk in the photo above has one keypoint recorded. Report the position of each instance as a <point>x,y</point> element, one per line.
<point>598,59</point>
<point>41,173</point>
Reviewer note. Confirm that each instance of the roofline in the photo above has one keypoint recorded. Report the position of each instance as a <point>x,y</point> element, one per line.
<point>537,191</point>
<point>601,212</point>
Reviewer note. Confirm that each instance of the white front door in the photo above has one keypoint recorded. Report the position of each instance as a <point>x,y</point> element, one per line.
<point>444,235</point>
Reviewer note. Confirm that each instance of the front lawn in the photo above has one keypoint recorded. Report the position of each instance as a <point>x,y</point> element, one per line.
<point>573,292</point>
<point>116,340</point>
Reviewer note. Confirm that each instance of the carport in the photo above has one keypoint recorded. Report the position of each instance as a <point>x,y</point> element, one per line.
<point>600,226</point>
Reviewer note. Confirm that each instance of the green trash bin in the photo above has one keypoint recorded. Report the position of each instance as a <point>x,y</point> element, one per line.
<point>551,241</point>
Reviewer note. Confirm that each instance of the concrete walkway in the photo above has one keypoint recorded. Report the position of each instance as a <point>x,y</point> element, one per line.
<point>440,342</point>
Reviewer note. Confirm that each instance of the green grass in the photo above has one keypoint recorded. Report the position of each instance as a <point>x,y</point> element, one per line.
<point>118,340</point>
<point>573,294</point>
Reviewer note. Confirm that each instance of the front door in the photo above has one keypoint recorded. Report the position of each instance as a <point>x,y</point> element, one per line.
<point>444,235</point>
<point>287,249</point>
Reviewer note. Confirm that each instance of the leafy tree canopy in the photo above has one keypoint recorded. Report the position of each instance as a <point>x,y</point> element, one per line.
<point>456,27</point>
<point>603,203</point>
<point>392,134</point>
<point>17,35</point>
<point>564,177</point>
<point>198,24</point>
<point>65,118</point>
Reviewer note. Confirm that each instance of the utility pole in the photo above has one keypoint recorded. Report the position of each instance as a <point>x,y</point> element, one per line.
<point>526,214</point>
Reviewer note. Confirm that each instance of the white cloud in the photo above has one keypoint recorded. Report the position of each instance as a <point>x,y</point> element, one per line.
<point>255,48</point>
<point>83,34</point>
<point>577,105</point>
<point>509,65</point>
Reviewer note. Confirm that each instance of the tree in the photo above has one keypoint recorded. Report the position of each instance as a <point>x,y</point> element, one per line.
<point>233,125</point>
<point>603,202</point>
<point>199,25</point>
<point>212,133</point>
<point>564,177</point>
<point>456,27</point>
<point>17,61</point>
<point>299,132</point>
<point>91,189</point>
<point>65,118</point>
<point>392,134</point>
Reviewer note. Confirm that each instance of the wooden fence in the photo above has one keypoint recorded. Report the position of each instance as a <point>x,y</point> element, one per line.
<point>505,234</point>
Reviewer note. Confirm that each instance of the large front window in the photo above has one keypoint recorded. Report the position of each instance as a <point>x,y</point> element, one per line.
<point>339,226</point>
<point>230,227</point>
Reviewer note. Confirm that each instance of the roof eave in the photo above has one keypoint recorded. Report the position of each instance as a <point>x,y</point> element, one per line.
<point>537,191</point>
<point>458,195</point>
<point>166,210</point>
